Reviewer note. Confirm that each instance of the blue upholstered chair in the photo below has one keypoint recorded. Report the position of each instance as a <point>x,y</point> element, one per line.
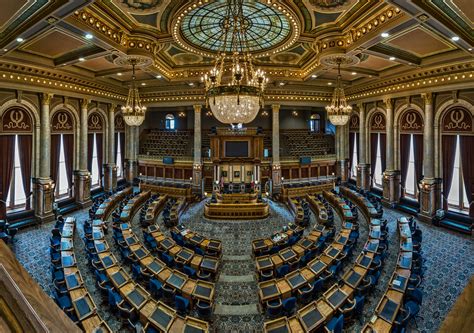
<point>282,270</point>
<point>182,305</point>
<point>189,271</point>
<point>274,308</point>
<point>305,294</point>
<point>289,305</point>
<point>155,288</point>
<point>335,325</point>
<point>204,310</point>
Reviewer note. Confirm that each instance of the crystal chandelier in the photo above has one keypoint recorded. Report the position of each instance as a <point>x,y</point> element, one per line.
<point>235,98</point>
<point>339,112</point>
<point>133,112</point>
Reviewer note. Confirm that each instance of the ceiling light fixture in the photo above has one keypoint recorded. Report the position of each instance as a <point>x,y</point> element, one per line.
<point>329,83</point>
<point>20,40</point>
<point>119,74</point>
<point>133,112</point>
<point>385,34</point>
<point>282,83</point>
<point>236,99</point>
<point>191,84</point>
<point>82,59</point>
<point>89,36</point>
<point>158,76</point>
<point>392,58</point>
<point>455,38</point>
<point>5,50</point>
<point>354,73</point>
<point>338,111</point>
<point>314,76</point>
<point>143,84</point>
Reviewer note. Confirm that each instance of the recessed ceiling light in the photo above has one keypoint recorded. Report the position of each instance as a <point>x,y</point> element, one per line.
<point>282,83</point>
<point>384,34</point>
<point>5,50</point>
<point>455,38</point>
<point>314,76</point>
<point>82,59</point>
<point>19,40</point>
<point>191,84</point>
<point>143,84</point>
<point>158,76</point>
<point>89,36</point>
<point>391,58</point>
<point>354,73</point>
<point>469,49</point>
<point>329,83</point>
<point>119,74</point>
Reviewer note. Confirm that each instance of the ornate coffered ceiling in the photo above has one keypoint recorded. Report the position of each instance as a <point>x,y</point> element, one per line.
<point>292,40</point>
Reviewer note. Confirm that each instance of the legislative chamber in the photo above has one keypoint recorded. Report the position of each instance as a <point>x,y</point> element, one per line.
<point>236,166</point>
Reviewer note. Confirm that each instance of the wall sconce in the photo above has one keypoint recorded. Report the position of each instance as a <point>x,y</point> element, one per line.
<point>294,113</point>
<point>264,113</point>
<point>209,114</point>
<point>181,114</point>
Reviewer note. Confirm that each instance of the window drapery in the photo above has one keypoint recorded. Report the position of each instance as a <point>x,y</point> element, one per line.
<point>55,151</point>
<point>449,152</point>
<point>467,144</point>
<point>7,152</point>
<point>404,157</point>
<point>418,150</point>
<point>25,143</point>
<point>373,152</point>
<point>68,143</point>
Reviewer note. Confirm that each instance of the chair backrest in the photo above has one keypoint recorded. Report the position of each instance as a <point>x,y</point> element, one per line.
<point>289,304</point>
<point>283,270</point>
<point>339,324</point>
<point>181,302</point>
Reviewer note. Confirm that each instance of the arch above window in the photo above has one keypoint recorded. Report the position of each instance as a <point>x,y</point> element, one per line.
<point>16,120</point>
<point>170,122</point>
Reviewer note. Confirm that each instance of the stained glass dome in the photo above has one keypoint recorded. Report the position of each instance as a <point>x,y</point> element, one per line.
<point>267,27</point>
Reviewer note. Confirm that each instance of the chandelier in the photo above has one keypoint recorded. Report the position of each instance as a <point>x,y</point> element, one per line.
<point>133,112</point>
<point>338,112</point>
<point>234,88</point>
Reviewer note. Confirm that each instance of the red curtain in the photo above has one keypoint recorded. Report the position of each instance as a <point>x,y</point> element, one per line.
<point>68,143</point>
<point>54,158</point>
<point>418,152</point>
<point>467,160</point>
<point>7,152</point>
<point>373,152</point>
<point>351,149</point>
<point>404,156</point>
<point>383,150</point>
<point>100,155</point>
<point>25,143</point>
<point>449,152</point>
<point>90,143</point>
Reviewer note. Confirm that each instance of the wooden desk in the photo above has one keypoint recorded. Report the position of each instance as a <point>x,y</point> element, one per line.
<point>94,324</point>
<point>268,291</point>
<point>279,325</point>
<point>135,295</point>
<point>204,290</point>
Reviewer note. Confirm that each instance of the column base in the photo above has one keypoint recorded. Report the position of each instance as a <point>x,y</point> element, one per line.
<point>43,199</point>
<point>430,198</point>
<point>276,179</point>
<point>110,177</point>
<point>197,179</point>
<point>391,187</point>
<point>363,176</point>
<point>342,170</point>
<point>130,170</point>
<point>82,188</point>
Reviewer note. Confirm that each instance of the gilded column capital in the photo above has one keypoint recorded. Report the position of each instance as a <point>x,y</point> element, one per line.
<point>84,103</point>
<point>112,107</point>
<point>427,98</point>
<point>46,98</point>
<point>361,107</point>
<point>388,103</point>
<point>275,107</point>
<point>197,107</point>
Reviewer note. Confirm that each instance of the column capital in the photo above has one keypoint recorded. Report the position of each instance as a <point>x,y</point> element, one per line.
<point>197,107</point>
<point>46,98</point>
<point>275,107</point>
<point>84,103</point>
<point>388,102</point>
<point>112,107</point>
<point>361,107</point>
<point>427,98</point>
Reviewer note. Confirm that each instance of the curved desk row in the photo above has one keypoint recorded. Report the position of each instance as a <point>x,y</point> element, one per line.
<point>133,205</point>
<point>109,204</point>
<point>280,239</point>
<point>340,205</point>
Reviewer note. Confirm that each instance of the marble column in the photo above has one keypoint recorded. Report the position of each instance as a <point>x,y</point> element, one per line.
<point>276,168</point>
<point>197,161</point>
<point>43,186</point>
<point>82,178</point>
<point>363,168</point>
<point>342,168</point>
<point>131,165</point>
<point>391,177</point>
<point>110,169</point>
<point>429,187</point>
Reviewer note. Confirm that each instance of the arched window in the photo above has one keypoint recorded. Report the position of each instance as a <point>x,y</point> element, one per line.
<point>95,175</point>
<point>378,165</point>
<point>169,122</point>
<point>119,156</point>
<point>16,195</point>
<point>354,159</point>
<point>457,197</point>
<point>315,123</point>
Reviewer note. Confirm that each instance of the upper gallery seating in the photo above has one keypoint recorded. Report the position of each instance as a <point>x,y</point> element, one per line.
<point>300,142</point>
<point>175,143</point>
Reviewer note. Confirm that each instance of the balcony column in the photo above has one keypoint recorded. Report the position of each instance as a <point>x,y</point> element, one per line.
<point>43,186</point>
<point>197,161</point>
<point>391,177</point>
<point>429,187</point>
<point>110,169</point>
<point>363,168</point>
<point>82,179</point>
<point>276,168</point>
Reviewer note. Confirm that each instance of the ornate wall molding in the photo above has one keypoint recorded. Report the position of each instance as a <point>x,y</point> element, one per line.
<point>16,119</point>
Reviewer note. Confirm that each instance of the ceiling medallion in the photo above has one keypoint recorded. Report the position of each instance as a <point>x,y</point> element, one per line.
<point>234,88</point>
<point>270,29</point>
<point>339,111</point>
<point>330,6</point>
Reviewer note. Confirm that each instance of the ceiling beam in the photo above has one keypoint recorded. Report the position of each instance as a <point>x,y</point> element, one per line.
<point>386,51</point>
<point>87,52</point>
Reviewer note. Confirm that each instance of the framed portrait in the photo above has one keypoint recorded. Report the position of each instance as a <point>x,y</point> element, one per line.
<point>249,173</point>
<point>224,174</point>
<point>236,174</point>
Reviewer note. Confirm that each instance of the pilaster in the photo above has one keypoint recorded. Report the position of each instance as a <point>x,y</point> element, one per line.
<point>82,179</point>
<point>430,198</point>
<point>363,176</point>
<point>391,187</point>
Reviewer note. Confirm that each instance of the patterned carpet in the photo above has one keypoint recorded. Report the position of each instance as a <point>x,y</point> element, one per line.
<point>449,265</point>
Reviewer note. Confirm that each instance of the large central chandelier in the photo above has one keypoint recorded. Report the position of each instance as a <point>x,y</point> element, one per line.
<point>234,88</point>
<point>339,112</point>
<point>133,111</point>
